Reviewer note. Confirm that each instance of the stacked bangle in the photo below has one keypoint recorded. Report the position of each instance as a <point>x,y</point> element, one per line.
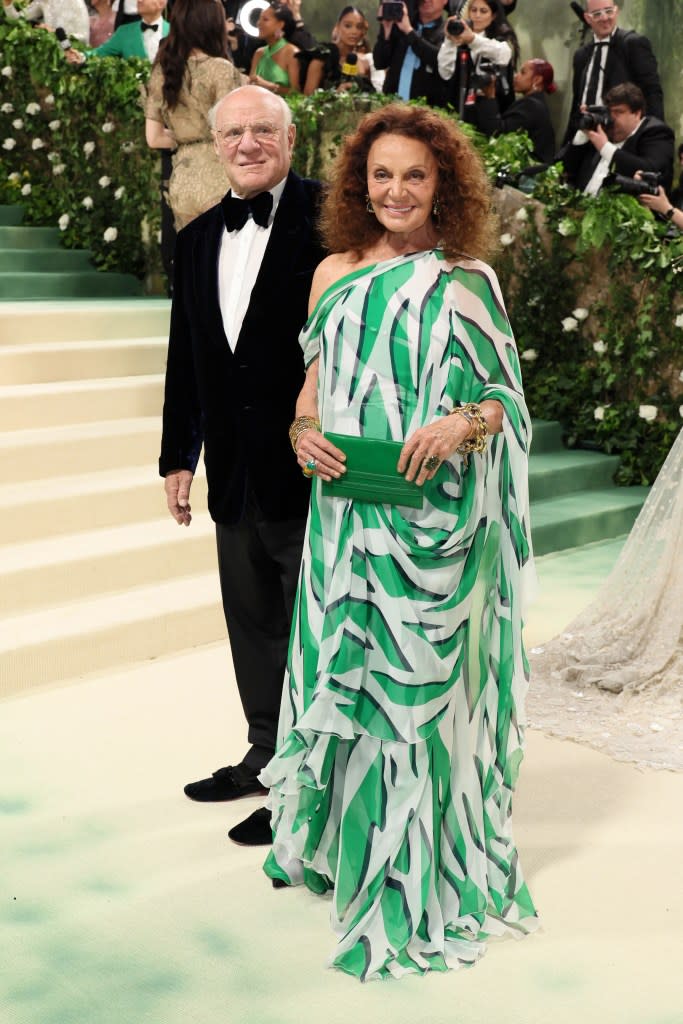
<point>297,428</point>
<point>476,439</point>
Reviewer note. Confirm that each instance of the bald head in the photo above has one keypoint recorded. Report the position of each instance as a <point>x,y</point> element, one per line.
<point>246,93</point>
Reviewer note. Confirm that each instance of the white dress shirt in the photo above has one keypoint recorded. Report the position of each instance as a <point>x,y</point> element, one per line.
<point>496,50</point>
<point>151,40</point>
<point>239,263</point>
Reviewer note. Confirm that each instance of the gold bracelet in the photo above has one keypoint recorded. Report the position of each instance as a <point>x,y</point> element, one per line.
<point>297,428</point>
<point>476,439</point>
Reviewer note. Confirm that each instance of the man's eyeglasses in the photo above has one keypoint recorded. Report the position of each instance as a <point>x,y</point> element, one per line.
<point>605,12</point>
<point>261,131</point>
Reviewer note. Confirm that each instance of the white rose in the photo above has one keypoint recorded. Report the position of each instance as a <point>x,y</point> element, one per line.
<point>53,158</point>
<point>506,239</point>
<point>6,71</point>
<point>7,108</point>
<point>58,168</point>
<point>26,190</point>
<point>566,227</point>
<point>88,148</point>
<point>529,355</point>
<point>49,100</point>
<point>599,412</point>
<point>54,125</point>
<point>104,181</point>
<point>521,214</point>
<point>679,320</point>
<point>600,347</point>
<point>580,313</point>
<point>108,127</point>
<point>647,412</point>
<point>63,222</point>
<point>9,144</point>
<point>37,144</point>
<point>18,124</point>
<point>14,176</point>
<point>569,324</point>
<point>127,147</point>
<point>87,203</point>
<point>33,108</point>
<point>110,235</point>
<point>119,192</point>
<point>680,376</point>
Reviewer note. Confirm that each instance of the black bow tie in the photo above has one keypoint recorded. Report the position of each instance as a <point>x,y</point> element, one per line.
<point>152,28</point>
<point>236,211</point>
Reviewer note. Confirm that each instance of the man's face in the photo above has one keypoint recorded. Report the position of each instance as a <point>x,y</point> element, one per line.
<point>601,16</point>
<point>625,121</point>
<point>252,140</point>
<point>430,10</point>
<point>150,10</point>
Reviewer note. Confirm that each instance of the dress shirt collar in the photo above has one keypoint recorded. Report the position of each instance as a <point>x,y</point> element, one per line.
<point>276,193</point>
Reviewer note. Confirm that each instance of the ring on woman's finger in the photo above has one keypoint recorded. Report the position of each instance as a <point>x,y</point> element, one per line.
<point>308,472</point>
<point>433,462</point>
<point>311,464</point>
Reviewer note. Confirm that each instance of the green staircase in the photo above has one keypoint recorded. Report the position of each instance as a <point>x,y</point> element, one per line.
<point>33,265</point>
<point>573,498</point>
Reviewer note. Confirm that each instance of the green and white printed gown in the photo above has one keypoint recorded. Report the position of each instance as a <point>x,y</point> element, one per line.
<point>402,720</point>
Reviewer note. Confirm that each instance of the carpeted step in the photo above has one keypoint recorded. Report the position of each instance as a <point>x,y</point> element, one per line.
<point>18,237</point>
<point>41,647</point>
<point>546,436</point>
<point>23,406</point>
<point>44,572</point>
<point>47,452</point>
<point>32,286</point>
<point>45,260</point>
<point>583,517</point>
<point>10,216</point>
<point>554,474</point>
<point>83,320</point>
<point>78,360</point>
<point>37,509</point>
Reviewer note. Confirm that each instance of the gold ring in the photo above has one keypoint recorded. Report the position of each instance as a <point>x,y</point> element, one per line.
<point>308,473</point>
<point>433,462</point>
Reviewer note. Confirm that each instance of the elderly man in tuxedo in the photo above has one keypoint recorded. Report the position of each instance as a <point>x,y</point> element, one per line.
<point>632,142</point>
<point>612,57</point>
<point>235,368</point>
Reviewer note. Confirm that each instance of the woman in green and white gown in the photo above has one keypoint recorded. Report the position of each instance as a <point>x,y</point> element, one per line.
<point>402,721</point>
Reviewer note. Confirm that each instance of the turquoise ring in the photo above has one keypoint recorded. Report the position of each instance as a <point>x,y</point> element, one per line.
<point>311,465</point>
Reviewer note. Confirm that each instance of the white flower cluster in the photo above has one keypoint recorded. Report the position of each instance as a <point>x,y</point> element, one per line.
<point>32,108</point>
<point>104,181</point>
<point>647,412</point>
<point>110,235</point>
<point>88,148</point>
<point>6,71</point>
<point>678,322</point>
<point>9,143</point>
<point>570,323</point>
<point>507,239</point>
<point>63,222</point>
<point>529,355</point>
<point>87,202</point>
<point>600,347</point>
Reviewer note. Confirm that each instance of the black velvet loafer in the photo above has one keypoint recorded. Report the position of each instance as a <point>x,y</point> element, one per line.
<point>254,830</point>
<point>229,783</point>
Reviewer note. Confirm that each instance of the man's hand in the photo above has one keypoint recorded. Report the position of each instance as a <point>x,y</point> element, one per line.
<point>598,138</point>
<point>177,486</point>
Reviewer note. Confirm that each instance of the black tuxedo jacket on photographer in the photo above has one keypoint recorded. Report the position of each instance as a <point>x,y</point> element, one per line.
<point>239,404</point>
<point>529,113</point>
<point>649,148</point>
<point>389,54</point>
<point>629,59</point>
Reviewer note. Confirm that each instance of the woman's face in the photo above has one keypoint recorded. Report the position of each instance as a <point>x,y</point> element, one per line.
<point>351,29</point>
<point>480,14</point>
<point>268,25</point>
<point>525,79</point>
<point>402,178</point>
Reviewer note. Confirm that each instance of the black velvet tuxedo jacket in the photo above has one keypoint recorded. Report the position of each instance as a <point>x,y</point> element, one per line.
<point>240,404</point>
<point>650,148</point>
<point>629,59</point>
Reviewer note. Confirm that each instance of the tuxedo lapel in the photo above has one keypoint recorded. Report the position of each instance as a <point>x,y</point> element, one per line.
<point>206,252</point>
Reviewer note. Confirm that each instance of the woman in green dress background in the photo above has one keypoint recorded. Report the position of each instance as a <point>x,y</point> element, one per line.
<point>402,723</point>
<point>275,66</point>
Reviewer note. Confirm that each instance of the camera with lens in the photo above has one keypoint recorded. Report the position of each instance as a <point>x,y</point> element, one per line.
<point>647,185</point>
<point>455,27</point>
<point>593,117</point>
<point>485,73</point>
<point>391,11</point>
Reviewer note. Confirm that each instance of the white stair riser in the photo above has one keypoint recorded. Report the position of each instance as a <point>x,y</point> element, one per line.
<point>77,578</point>
<point>17,367</point>
<point>20,412</point>
<point>49,458</point>
<point>61,323</point>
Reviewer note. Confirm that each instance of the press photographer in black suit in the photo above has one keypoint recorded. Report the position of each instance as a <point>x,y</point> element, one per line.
<point>629,143</point>
<point>235,367</point>
<point>408,49</point>
<point>533,82</point>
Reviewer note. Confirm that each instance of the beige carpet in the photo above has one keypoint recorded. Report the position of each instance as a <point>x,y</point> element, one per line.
<point>123,902</point>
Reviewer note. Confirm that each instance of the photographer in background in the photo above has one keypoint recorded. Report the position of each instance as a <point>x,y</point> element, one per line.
<point>619,141</point>
<point>661,204</point>
<point>533,82</point>
<point>70,15</point>
<point>409,50</point>
<point>475,52</point>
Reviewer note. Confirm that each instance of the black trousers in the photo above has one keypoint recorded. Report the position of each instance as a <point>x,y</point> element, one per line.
<point>258,562</point>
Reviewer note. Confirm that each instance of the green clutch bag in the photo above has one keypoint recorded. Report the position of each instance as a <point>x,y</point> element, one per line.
<point>371,473</point>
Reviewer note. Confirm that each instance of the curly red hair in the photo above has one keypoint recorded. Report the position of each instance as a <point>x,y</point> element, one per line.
<point>465,222</point>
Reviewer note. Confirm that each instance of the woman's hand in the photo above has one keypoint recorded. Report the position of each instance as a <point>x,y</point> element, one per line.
<point>312,446</point>
<point>659,203</point>
<point>437,440</point>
